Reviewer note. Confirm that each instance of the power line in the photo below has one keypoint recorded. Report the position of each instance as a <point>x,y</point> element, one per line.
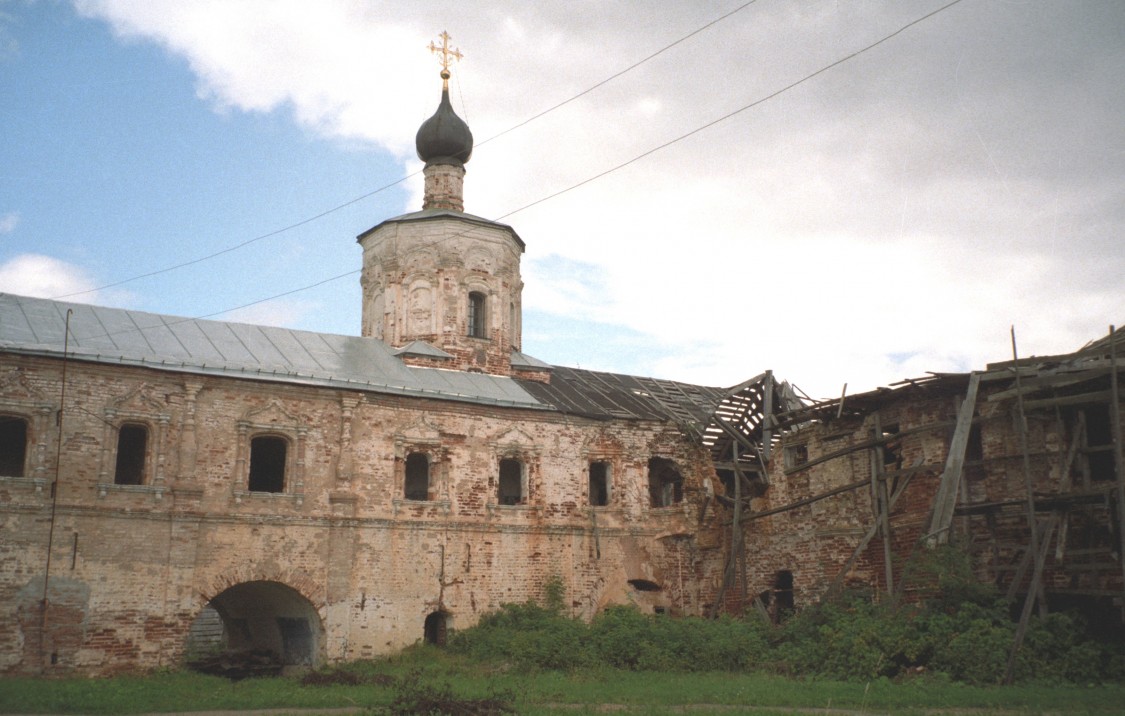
<point>727,116</point>
<point>334,209</point>
<point>229,249</point>
<point>630,68</point>
<point>670,142</point>
<point>640,156</point>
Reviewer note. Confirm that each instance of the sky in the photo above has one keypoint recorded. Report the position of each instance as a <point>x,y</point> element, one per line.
<point>842,191</point>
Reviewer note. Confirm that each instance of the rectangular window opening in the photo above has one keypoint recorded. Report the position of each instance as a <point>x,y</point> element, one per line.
<point>476,315</point>
<point>796,455</point>
<point>132,448</point>
<point>511,482</point>
<point>13,446</point>
<point>665,484</point>
<point>267,463</point>
<point>892,449</point>
<point>417,482</point>
<point>1099,443</point>
<point>599,483</point>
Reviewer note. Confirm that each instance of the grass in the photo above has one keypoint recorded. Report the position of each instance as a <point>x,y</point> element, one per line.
<point>547,692</point>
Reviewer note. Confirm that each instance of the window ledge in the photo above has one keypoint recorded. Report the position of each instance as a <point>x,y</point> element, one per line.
<point>296,498</point>
<point>605,510</point>
<point>29,483</point>
<point>522,507</point>
<point>157,491</point>
<point>399,503</point>
<point>678,508</point>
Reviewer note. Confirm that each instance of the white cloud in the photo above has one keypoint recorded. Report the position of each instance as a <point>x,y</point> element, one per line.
<point>893,215</point>
<point>9,222</point>
<point>45,277</point>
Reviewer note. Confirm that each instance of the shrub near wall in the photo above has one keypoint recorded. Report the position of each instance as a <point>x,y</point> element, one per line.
<point>963,631</point>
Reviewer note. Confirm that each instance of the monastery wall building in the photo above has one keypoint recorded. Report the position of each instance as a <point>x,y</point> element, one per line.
<point>325,498</point>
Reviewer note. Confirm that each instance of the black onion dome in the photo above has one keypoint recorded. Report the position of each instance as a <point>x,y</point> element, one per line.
<point>444,138</point>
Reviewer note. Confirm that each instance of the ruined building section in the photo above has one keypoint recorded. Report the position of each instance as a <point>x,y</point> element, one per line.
<point>1019,463</point>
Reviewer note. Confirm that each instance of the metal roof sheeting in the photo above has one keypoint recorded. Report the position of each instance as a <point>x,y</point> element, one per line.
<point>113,335</point>
<point>35,326</point>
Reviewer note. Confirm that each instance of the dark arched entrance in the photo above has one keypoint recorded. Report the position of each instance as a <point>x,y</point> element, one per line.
<point>436,628</point>
<point>262,623</point>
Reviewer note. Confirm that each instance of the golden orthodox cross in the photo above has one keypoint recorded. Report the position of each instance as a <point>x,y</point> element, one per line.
<point>447,55</point>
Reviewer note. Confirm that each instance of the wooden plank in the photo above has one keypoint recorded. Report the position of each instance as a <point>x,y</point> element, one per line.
<point>1118,459</point>
<point>865,540</point>
<point>1022,419</point>
<point>1034,589</point>
<point>767,410</point>
<point>882,513</point>
<point>1100,396</point>
<point>1072,452</point>
<point>808,500</point>
<point>865,444</point>
<point>949,487</point>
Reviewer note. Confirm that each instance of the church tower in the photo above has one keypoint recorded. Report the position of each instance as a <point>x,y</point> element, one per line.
<point>440,285</point>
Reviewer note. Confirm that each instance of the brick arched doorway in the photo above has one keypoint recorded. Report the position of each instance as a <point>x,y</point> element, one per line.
<point>261,622</point>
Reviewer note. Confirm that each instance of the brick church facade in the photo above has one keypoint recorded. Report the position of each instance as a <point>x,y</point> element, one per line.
<point>340,497</point>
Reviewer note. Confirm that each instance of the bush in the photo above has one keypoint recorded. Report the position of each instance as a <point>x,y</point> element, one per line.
<point>964,630</point>
<point>527,635</point>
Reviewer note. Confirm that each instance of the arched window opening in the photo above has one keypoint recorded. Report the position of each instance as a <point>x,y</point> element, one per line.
<point>132,448</point>
<point>436,628</point>
<point>511,482</point>
<point>267,463</point>
<point>417,483</point>
<point>13,446</point>
<point>476,315</point>
<point>665,484</point>
<point>599,483</point>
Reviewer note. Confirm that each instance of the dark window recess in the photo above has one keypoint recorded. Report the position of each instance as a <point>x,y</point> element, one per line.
<point>726,479</point>
<point>436,628</point>
<point>783,595</point>
<point>599,484</point>
<point>892,449</point>
<point>1099,442</point>
<point>644,585</point>
<point>665,484</point>
<point>796,455</point>
<point>13,445</point>
<point>132,445</point>
<point>511,482</point>
<point>476,315</point>
<point>267,463</point>
<point>417,484</point>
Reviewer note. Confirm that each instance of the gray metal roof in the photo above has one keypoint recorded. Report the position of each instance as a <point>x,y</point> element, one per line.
<point>36,326</point>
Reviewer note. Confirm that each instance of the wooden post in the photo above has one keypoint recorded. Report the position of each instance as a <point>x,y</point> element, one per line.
<point>1033,588</point>
<point>948,489</point>
<point>882,513</point>
<point>1118,461</point>
<point>767,414</point>
<point>871,532</point>
<point>735,534</point>
<point>1022,419</point>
